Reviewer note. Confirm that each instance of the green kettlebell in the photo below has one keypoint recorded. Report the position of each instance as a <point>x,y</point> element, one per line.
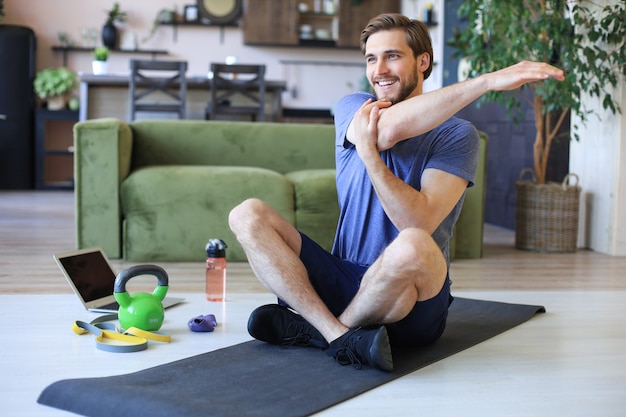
<point>141,310</point>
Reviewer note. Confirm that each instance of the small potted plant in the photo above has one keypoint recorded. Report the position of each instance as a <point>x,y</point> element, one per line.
<point>99,64</point>
<point>164,15</point>
<point>54,85</point>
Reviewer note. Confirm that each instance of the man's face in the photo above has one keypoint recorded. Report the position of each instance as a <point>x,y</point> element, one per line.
<point>391,68</point>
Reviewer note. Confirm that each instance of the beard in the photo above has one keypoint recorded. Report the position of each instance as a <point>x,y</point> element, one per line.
<point>407,88</point>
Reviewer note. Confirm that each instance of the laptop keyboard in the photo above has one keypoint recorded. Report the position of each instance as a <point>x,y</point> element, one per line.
<point>111,306</point>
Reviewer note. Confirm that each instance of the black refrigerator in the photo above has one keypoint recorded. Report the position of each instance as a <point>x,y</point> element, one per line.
<point>17,107</point>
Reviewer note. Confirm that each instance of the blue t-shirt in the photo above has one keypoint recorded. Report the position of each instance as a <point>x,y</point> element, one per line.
<point>364,229</point>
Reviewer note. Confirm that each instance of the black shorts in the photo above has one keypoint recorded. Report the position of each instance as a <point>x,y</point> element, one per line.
<point>337,281</point>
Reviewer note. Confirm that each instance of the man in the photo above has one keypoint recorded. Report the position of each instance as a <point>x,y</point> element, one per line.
<point>403,165</point>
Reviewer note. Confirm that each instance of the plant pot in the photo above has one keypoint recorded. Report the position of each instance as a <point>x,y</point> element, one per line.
<point>546,218</point>
<point>56,103</point>
<point>109,35</point>
<point>100,67</point>
<point>167,16</point>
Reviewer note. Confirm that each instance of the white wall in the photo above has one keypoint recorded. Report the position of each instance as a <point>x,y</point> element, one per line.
<point>310,86</point>
<point>599,159</point>
<point>415,10</point>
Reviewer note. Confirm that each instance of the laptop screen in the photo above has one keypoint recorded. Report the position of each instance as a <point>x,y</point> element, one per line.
<point>91,274</point>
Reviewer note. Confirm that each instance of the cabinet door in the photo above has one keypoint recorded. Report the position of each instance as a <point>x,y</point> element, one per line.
<point>270,22</point>
<point>354,15</point>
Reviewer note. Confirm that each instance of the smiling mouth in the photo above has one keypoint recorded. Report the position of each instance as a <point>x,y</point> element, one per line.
<point>386,83</point>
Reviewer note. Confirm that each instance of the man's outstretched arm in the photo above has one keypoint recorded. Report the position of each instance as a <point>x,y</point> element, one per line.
<point>422,113</point>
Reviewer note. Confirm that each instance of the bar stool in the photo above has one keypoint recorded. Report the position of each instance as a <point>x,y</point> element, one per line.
<point>158,80</point>
<point>236,81</point>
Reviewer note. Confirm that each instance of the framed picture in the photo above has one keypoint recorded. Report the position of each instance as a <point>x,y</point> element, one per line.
<point>191,13</point>
<point>220,12</point>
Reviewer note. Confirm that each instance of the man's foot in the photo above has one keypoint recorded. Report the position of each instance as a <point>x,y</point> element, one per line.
<point>278,325</point>
<point>359,346</point>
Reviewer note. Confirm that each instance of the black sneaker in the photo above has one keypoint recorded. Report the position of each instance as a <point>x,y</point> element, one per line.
<point>359,346</point>
<point>278,325</point>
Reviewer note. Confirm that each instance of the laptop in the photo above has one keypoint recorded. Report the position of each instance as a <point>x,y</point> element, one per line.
<point>91,277</point>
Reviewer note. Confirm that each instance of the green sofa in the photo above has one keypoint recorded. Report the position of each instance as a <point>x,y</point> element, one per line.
<point>157,190</point>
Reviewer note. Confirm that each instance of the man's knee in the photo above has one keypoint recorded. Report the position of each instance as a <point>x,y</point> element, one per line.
<point>246,213</point>
<point>410,246</point>
<point>414,252</point>
<point>419,256</point>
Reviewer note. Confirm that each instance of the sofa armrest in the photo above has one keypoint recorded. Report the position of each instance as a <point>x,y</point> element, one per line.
<point>101,161</point>
<point>467,241</point>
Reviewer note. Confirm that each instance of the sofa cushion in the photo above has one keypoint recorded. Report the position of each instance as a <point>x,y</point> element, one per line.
<point>280,147</point>
<point>189,205</point>
<point>317,210</point>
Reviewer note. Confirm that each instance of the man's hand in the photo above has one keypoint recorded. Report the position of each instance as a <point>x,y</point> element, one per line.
<point>365,123</point>
<point>515,76</point>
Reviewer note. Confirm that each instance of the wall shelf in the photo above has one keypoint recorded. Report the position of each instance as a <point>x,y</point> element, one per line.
<point>315,62</point>
<point>67,49</point>
<point>199,23</point>
<point>318,43</point>
<point>318,14</point>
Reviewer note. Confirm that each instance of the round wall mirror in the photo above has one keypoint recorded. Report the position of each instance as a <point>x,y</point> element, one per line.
<point>220,11</point>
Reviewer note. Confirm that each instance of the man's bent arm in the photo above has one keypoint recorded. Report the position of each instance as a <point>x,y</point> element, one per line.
<point>422,113</point>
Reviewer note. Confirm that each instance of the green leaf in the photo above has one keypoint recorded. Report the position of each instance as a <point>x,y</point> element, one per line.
<point>584,39</point>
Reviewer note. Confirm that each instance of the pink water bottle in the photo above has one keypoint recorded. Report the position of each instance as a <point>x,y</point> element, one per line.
<point>216,270</point>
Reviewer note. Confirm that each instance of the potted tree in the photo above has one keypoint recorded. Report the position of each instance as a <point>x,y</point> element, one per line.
<point>109,31</point>
<point>99,64</point>
<point>54,85</point>
<point>584,39</point>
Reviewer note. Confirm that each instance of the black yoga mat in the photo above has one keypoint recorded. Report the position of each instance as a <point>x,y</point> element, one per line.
<point>257,379</point>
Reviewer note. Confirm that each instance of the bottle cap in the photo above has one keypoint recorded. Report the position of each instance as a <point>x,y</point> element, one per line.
<point>216,248</point>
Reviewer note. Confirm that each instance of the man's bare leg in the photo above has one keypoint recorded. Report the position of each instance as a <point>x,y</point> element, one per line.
<point>273,246</point>
<point>411,269</point>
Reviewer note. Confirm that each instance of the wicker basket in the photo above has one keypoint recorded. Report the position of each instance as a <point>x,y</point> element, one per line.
<point>546,215</point>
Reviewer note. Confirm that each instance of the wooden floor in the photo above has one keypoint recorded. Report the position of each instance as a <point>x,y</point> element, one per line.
<point>34,225</point>
<point>570,361</point>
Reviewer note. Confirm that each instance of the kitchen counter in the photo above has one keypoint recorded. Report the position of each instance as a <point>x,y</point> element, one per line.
<point>107,96</point>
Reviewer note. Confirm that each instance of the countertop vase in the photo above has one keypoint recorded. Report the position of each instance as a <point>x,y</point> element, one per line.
<point>109,35</point>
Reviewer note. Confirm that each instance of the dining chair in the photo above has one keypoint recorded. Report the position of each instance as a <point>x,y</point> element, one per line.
<point>157,87</point>
<point>237,89</point>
